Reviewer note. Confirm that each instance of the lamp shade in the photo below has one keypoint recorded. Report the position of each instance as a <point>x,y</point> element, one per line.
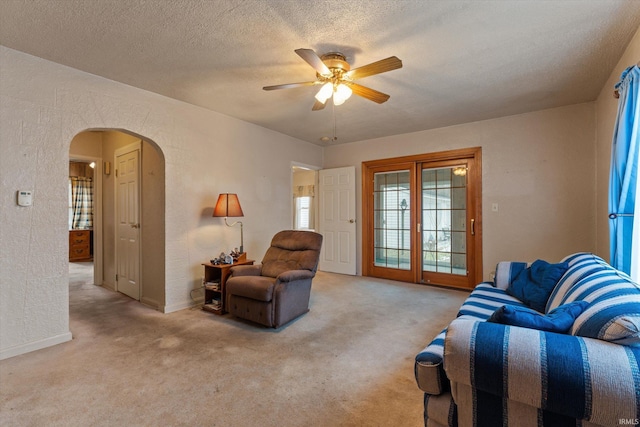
<point>325,92</point>
<point>228,205</point>
<point>343,92</point>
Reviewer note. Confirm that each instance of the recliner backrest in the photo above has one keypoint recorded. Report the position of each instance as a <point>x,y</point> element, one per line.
<point>292,250</point>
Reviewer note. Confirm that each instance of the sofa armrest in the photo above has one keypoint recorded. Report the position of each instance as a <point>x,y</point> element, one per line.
<point>582,378</point>
<point>293,275</point>
<point>246,270</point>
<point>430,375</point>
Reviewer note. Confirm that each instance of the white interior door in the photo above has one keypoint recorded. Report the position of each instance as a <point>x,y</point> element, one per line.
<point>337,221</point>
<point>128,223</point>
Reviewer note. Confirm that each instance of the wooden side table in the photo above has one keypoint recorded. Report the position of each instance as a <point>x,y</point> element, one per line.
<point>215,278</point>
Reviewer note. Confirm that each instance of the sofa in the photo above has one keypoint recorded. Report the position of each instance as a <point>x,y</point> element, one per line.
<point>484,370</point>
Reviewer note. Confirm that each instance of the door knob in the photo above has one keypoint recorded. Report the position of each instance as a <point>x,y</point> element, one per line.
<point>352,221</point>
<point>135,225</point>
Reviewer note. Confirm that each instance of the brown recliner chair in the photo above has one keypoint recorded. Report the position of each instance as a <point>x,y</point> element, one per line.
<point>278,290</point>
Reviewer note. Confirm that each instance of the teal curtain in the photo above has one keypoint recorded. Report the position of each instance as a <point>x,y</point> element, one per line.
<point>623,180</point>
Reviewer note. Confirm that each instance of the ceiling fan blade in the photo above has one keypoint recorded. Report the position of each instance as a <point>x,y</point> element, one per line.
<point>314,60</point>
<point>368,93</point>
<point>382,66</point>
<point>290,85</point>
<point>318,106</point>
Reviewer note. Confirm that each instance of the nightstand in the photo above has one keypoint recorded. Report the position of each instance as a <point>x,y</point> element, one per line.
<point>80,245</point>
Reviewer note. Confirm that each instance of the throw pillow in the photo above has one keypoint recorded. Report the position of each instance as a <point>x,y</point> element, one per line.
<point>534,285</point>
<point>506,272</point>
<point>614,311</point>
<point>558,320</point>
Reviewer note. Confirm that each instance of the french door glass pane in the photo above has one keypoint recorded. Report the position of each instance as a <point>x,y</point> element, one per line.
<point>392,206</point>
<point>444,200</point>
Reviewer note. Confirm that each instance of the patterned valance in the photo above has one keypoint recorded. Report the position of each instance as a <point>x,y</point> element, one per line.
<point>304,191</point>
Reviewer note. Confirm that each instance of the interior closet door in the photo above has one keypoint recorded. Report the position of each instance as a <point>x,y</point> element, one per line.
<point>338,220</point>
<point>128,222</point>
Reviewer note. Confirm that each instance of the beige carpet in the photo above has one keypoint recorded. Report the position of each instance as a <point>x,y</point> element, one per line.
<point>348,362</point>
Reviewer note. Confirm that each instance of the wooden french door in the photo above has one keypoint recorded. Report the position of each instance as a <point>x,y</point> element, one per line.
<point>388,217</point>
<point>422,218</point>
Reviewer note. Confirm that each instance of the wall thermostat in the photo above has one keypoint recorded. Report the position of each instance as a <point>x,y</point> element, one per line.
<point>25,197</point>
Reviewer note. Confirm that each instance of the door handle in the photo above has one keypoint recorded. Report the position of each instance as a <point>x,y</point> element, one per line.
<point>473,227</point>
<point>351,221</point>
<point>135,225</point>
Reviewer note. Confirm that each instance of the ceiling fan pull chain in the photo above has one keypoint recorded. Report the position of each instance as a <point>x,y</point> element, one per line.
<point>333,110</point>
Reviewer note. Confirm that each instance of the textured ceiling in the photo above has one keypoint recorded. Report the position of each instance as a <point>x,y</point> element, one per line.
<point>463,61</point>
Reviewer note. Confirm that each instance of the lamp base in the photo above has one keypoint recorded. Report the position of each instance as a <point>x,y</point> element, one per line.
<point>241,257</point>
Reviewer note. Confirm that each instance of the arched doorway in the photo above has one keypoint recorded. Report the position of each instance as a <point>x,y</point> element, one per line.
<point>102,146</point>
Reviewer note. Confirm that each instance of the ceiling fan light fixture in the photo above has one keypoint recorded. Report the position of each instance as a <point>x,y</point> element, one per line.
<point>335,75</point>
<point>325,92</point>
<point>342,93</point>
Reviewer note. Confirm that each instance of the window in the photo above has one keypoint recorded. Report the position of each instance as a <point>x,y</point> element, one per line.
<point>391,224</point>
<point>303,206</point>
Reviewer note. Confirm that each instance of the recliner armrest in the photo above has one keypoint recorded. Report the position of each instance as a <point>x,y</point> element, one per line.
<point>292,275</point>
<point>246,270</point>
<point>428,369</point>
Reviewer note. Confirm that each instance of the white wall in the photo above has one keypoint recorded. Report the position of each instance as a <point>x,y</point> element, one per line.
<point>607,110</point>
<point>538,167</point>
<point>43,105</point>
<point>87,144</point>
<point>152,226</point>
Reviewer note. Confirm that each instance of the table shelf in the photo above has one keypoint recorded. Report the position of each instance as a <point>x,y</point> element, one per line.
<point>217,274</point>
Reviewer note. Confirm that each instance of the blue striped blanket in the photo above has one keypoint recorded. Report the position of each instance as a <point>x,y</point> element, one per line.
<point>491,374</point>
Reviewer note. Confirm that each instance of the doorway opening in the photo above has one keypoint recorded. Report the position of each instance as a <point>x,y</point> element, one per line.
<point>304,207</point>
<point>101,146</point>
<point>85,215</point>
<point>324,201</point>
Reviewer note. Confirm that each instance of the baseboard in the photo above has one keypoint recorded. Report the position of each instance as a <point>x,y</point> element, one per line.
<point>177,307</point>
<point>35,345</point>
<point>151,303</point>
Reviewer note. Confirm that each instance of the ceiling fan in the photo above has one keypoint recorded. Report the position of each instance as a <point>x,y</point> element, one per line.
<point>335,75</point>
